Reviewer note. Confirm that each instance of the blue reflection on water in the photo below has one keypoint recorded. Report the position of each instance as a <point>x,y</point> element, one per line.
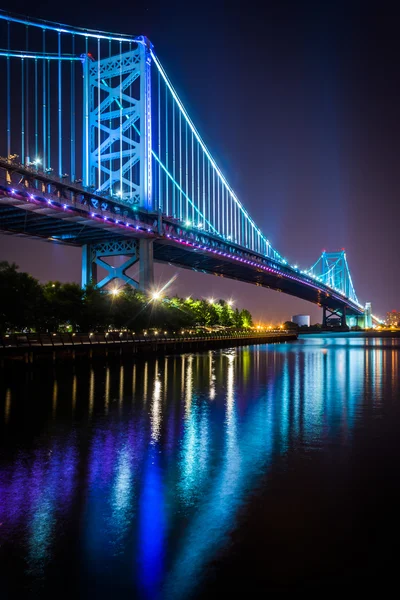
<point>153,475</point>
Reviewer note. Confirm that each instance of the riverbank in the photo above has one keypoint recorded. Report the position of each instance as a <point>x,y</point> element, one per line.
<point>59,347</point>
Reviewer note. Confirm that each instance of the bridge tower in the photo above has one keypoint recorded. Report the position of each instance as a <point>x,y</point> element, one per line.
<point>116,154</point>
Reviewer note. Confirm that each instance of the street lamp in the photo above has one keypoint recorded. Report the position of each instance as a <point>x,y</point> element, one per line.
<point>115,292</point>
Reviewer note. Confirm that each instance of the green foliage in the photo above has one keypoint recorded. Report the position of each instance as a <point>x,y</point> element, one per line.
<point>21,299</point>
<point>54,306</point>
<point>290,326</point>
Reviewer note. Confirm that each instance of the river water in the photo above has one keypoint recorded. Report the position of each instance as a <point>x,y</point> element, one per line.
<point>260,469</point>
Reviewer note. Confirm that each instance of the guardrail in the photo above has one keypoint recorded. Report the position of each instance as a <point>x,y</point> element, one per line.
<point>57,340</point>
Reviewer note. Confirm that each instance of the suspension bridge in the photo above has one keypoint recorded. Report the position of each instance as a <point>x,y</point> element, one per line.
<point>98,151</point>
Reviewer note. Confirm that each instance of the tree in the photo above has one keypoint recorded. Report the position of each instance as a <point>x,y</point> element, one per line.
<point>289,325</point>
<point>96,313</point>
<point>246,318</point>
<point>21,299</point>
<point>64,304</point>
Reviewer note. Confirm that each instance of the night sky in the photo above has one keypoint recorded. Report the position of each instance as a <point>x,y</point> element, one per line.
<point>299,104</point>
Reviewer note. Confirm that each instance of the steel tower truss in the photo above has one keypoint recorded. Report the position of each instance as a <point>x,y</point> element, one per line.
<point>117,125</point>
<point>332,269</point>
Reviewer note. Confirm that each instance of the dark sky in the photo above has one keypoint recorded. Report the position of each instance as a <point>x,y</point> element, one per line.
<point>299,103</point>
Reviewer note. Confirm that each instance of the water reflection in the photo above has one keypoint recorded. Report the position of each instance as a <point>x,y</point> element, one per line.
<point>150,479</point>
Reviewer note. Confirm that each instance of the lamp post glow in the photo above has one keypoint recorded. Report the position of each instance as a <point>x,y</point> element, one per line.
<point>114,292</point>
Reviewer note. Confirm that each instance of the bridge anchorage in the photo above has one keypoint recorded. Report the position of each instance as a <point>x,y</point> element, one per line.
<point>100,152</point>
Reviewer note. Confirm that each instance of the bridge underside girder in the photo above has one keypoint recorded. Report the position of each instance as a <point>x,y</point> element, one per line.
<point>19,218</point>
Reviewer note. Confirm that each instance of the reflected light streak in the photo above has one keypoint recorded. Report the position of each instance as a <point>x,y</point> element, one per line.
<point>55,398</point>
<point>7,407</point>
<point>107,391</point>
<point>155,415</point>
<point>121,387</point>
<point>74,388</point>
<point>91,393</point>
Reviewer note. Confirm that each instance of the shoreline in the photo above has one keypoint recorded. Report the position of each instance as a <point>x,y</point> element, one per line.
<point>57,349</point>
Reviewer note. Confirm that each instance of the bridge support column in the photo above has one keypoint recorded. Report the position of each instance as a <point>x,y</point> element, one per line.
<point>135,251</point>
<point>334,318</point>
<point>368,316</point>
<point>89,268</point>
<point>146,265</point>
<point>93,255</point>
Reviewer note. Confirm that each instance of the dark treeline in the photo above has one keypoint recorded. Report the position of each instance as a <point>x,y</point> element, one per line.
<point>27,305</point>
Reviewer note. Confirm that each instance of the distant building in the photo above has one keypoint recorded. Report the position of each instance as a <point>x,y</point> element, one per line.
<point>301,320</point>
<point>393,318</point>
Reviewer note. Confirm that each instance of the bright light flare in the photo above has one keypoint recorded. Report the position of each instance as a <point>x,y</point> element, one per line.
<point>115,292</point>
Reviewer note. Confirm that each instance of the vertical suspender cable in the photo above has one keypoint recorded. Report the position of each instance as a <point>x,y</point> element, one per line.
<point>72,146</point>
<point>8,94</point>
<point>235,219</point>
<point>173,158</point>
<point>213,200</point>
<point>209,190</point>
<point>166,154</point>
<point>192,178</point>
<point>60,169</point>
<point>120,126</point>
<point>218,207</point>
<point>228,214</point>
<point>110,167</point>
<point>198,177</point>
<point>27,153</point>
<point>36,112</point>
<point>44,115</point>
<point>159,138</point>
<point>204,191</point>
<point>223,209</point>
<point>22,112</point>
<point>98,117</point>
<point>48,116</point>
<point>187,172</point>
<point>131,134</point>
<point>180,165</point>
